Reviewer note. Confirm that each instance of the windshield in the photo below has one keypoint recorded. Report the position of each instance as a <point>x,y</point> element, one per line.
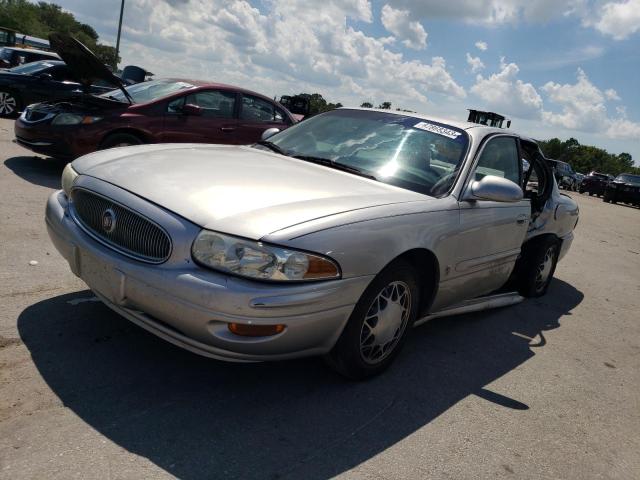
<point>408,152</point>
<point>632,179</point>
<point>31,68</point>
<point>148,91</point>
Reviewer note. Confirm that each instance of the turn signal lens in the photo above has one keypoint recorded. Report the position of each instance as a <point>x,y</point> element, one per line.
<point>246,330</point>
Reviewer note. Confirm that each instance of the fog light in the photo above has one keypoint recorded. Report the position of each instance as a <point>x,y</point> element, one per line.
<point>255,330</point>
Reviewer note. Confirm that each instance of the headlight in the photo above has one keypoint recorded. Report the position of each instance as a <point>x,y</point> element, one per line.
<point>260,261</point>
<point>73,119</point>
<point>68,177</point>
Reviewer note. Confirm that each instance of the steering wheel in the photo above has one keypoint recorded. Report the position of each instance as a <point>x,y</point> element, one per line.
<point>442,185</point>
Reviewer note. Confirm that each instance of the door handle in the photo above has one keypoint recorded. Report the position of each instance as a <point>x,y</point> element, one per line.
<point>521,219</point>
<point>227,129</point>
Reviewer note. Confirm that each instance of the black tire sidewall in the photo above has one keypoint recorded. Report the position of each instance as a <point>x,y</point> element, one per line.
<point>115,138</point>
<point>345,356</point>
<point>533,254</point>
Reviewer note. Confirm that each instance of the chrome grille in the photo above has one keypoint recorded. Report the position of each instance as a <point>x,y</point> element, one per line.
<point>119,227</point>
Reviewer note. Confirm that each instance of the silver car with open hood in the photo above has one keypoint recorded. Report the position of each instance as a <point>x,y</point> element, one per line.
<point>331,238</point>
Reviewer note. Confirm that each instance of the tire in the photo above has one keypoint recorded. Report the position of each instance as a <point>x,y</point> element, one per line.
<point>536,266</point>
<point>370,342</point>
<point>120,140</point>
<point>591,194</point>
<point>581,190</point>
<point>10,104</point>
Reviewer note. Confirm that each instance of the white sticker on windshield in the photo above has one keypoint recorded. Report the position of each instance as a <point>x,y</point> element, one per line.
<point>430,127</point>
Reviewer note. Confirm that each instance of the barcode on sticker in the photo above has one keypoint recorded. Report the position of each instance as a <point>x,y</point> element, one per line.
<point>430,127</point>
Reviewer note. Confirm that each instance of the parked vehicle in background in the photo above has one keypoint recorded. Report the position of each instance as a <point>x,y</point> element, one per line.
<point>625,188</point>
<point>595,183</point>
<point>158,111</point>
<point>333,237</point>
<point>565,176</point>
<point>579,178</point>
<point>37,82</point>
<point>13,56</point>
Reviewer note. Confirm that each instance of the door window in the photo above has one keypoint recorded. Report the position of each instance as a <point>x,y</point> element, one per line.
<point>500,158</point>
<point>214,103</point>
<point>256,109</point>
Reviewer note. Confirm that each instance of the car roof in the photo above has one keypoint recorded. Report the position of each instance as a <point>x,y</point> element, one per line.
<point>33,50</point>
<point>481,130</point>
<point>208,84</point>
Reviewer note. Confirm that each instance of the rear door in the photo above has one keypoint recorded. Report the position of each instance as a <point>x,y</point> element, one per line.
<point>217,124</point>
<point>492,233</point>
<point>256,116</point>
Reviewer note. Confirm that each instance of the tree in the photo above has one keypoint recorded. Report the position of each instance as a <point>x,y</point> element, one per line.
<point>366,105</point>
<point>385,105</point>
<point>585,158</point>
<point>39,20</point>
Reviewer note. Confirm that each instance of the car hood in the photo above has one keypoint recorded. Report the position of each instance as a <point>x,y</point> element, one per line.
<point>87,68</point>
<point>237,190</point>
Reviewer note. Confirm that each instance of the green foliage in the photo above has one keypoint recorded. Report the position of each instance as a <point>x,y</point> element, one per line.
<point>40,19</point>
<point>585,158</point>
<point>366,105</point>
<point>385,105</point>
<point>317,104</point>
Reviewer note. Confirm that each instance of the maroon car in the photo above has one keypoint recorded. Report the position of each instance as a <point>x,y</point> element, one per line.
<point>158,111</point>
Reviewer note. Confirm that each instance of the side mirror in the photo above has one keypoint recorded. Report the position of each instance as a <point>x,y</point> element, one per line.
<point>191,109</point>
<point>269,132</point>
<point>496,189</point>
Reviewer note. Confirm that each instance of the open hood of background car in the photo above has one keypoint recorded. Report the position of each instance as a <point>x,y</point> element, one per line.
<point>83,63</point>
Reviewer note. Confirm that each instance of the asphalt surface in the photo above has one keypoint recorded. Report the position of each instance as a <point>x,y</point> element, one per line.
<point>549,388</point>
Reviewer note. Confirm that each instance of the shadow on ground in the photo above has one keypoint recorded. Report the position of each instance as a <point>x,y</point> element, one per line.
<point>41,171</point>
<point>200,418</point>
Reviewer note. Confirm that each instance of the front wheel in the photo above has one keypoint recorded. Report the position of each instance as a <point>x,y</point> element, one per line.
<point>9,104</point>
<point>378,325</point>
<point>120,140</point>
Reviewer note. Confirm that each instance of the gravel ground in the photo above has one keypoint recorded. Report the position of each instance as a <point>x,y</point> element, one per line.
<point>549,388</point>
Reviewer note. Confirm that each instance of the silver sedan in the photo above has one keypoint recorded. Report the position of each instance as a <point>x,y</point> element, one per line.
<point>331,238</point>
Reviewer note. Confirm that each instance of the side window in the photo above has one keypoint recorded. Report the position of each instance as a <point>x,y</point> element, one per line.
<point>256,109</point>
<point>61,74</point>
<point>500,158</point>
<point>214,103</point>
<point>175,106</point>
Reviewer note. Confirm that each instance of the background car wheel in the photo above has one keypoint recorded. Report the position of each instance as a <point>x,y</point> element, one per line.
<point>536,266</point>
<point>378,325</point>
<point>9,104</point>
<point>581,190</point>
<point>120,140</point>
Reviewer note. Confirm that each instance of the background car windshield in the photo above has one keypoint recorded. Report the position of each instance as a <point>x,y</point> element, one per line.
<point>633,179</point>
<point>148,91</point>
<point>412,153</point>
<point>31,68</point>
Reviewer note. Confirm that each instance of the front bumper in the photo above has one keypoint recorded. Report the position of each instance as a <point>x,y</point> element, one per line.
<point>64,142</point>
<point>192,307</point>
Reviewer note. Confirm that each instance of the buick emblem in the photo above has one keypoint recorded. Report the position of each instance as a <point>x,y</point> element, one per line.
<point>108,220</point>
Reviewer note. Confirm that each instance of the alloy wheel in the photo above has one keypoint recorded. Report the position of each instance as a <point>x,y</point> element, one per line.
<point>385,322</point>
<point>8,103</point>
<point>545,268</point>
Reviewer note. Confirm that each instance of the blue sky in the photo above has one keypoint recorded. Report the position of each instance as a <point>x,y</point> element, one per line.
<point>566,68</point>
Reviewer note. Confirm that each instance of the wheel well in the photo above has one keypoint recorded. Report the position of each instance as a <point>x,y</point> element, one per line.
<point>129,131</point>
<point>426,265</point>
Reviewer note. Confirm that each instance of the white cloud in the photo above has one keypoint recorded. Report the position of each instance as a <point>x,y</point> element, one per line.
<point>412,33</point>
<point>507,94</point>
<point>618,19</point>
<point>582,107</point>
<point>482,46</point>
<point>611,94</point>
<point>490,12</point>
<point>475,63</point>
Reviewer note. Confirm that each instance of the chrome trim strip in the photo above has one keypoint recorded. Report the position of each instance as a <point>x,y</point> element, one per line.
<point>127,253</point>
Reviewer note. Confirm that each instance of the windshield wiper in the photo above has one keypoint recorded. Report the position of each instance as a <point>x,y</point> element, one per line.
<point>272,146</point>
<point>338,166</point>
